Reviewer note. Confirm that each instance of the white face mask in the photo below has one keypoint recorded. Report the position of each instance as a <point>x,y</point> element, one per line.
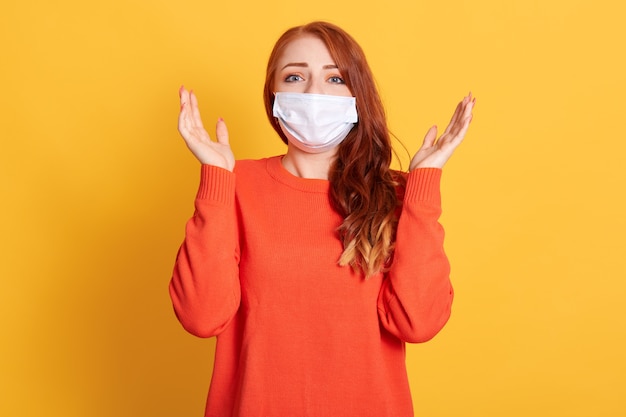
<point>315,122</point>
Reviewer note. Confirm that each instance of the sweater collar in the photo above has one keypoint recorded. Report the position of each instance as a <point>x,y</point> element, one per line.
<point>276,169</point>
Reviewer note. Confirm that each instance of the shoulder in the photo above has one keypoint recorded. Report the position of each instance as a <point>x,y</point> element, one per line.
<point>246,165</point>
<point>255,173</point>
<point>252,166</point>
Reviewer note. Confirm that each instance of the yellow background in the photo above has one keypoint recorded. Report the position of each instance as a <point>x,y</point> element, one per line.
<point>96,186</point>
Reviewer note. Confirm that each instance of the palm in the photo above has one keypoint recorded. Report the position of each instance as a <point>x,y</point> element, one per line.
<point>434,153</point>
<point>192,130</point>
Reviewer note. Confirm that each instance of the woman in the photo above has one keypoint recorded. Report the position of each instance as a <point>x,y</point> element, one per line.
<point>314,268</point>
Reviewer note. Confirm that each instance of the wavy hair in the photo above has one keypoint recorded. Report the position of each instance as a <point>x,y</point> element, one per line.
<point>363,188</point>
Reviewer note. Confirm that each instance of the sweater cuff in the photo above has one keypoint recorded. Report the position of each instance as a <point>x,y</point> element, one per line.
<point>216,184</point>
<point>423,184</point>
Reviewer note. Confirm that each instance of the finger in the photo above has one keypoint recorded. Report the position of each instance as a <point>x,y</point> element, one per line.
<point>183,95</point>
<point>463,109</point>
<point>195,110</point>
<point>189,121</point>
<point>184,125</point>
<point>430,137</point>
<point>455,139</point>
<point>465,118</point>
<point>183,116</point>
<point>463,131</point>
<point>221,131</point>
<point>455,116</point>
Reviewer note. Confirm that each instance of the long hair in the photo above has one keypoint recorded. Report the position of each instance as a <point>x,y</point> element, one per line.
<point>363,188</point>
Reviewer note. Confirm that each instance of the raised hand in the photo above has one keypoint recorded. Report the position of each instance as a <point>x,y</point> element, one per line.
<point>434,153</point>
<point>190,126</point>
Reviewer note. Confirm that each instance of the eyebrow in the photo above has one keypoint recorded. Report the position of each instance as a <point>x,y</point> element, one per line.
<point>304,64</point>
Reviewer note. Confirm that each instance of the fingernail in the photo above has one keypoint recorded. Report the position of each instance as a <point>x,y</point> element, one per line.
<point>220,119</point>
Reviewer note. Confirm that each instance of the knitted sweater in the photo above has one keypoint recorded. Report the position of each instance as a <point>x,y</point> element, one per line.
<point>297,334</point>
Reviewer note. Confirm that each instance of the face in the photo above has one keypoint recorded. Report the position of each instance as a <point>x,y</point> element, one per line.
<point>307,67</point>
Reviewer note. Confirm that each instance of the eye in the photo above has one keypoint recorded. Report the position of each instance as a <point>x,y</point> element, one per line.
<point>336,80</point>
<point>292,78</point>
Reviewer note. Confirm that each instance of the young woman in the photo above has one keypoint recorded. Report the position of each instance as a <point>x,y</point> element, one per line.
<point>315,267</point>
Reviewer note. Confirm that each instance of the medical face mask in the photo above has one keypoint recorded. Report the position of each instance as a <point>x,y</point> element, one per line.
<point>317,122</point>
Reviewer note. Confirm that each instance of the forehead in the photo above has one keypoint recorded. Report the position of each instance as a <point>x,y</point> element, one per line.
<point>309,49</point>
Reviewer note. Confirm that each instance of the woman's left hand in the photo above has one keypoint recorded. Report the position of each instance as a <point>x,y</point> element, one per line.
<point>435,153</point>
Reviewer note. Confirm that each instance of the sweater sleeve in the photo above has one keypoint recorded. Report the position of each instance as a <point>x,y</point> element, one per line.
<point>204,288</point>
<point>416,295</point>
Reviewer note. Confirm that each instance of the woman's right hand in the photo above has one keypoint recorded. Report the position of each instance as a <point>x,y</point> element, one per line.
<point>196,137</point>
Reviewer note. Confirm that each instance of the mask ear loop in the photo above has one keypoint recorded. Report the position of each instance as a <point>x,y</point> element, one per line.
<point>276,121</point>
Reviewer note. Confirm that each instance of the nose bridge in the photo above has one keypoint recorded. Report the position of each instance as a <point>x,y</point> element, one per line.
<point>314,84</point>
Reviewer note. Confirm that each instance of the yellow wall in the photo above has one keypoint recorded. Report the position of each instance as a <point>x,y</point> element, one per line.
<point>96,186</point>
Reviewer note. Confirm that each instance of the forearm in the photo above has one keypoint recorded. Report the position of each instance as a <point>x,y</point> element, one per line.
<point>416,297</point>
<point>204,288</point>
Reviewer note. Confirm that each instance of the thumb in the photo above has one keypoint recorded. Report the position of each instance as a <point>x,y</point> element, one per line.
<point>430,137</point>
<point>221,131</point>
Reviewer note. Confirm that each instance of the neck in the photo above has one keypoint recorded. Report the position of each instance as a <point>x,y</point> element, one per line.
<point>308,165</point>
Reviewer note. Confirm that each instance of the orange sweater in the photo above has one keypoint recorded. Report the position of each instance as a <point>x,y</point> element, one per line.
<point>298,335</point>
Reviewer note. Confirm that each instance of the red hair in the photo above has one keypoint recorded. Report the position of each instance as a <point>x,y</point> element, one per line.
<point>363,187</point>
